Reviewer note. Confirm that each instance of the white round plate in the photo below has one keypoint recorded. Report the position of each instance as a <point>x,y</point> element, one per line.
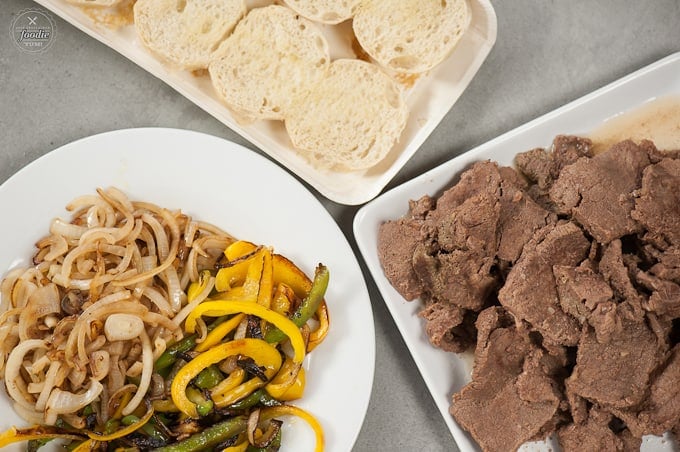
<point>220,182</point>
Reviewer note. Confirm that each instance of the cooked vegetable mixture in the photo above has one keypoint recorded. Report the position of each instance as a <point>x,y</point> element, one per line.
<point>139,328</point>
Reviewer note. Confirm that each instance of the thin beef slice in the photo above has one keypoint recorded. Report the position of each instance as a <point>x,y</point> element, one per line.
<point>660,412</point>
<point>530,291</point>
<point>510,399</point>
<point>599,192</point>
<point>616,373</point>
<point>658,205</point>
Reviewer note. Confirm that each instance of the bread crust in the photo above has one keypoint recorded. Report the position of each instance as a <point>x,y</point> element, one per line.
<point>186,33</point>
<point>410,36</point>
<point>270,61</point>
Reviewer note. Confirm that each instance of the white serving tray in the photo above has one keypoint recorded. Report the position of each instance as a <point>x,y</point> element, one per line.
<point>429,98</point>
<point>445,373</point>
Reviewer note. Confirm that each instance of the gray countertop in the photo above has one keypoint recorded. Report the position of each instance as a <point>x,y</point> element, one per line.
<point>547,53</point>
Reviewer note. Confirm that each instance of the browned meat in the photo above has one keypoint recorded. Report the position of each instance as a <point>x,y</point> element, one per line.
<point>448,327</point>
<point>616,373</point>
<point>596,435</point>
<point>658,206</point>
<point>520,217</point>
<point>599,192</point>
<point>667,265</point>
<point>397,241</point>
<point>565,278</point>
<point>544,166</point>
<point>580,290</point>
<point>510,398</point>
<point>530,291</point>
<point>661,410</point>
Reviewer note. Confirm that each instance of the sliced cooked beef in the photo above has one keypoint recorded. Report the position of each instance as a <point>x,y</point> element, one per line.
<point>530,291</point>
<point>665,297</point>
<point>397,241</point>
<point>616,373</point>
<point>599,192</point>
<point>510,399</point>
<point>661,410</point>
<point>543,166</point>
<point>448,327</point>
<point>459,277</point>
<point>580,290</point>
<point>668,265</point>
<point>595,435</point>
<point>480,177</point>
<point>565,278</point>
<point>520,217</point>
<point>658,205</point>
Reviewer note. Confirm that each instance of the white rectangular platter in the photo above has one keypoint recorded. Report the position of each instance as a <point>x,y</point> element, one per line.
<point>429,97</point>
<point>445,373</point>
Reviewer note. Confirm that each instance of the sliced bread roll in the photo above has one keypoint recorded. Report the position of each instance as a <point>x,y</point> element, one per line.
<point>325,11</point>
<point>273,58</point>
<point>351,120</point>
<point>410,36</point>
<point>186,33</point>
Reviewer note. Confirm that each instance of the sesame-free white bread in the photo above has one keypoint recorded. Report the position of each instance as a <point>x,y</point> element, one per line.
<point>186,33</point>
<point>325,11</point>
<point>410,36</point>
<point>273,58</point>
<point>352,118</point>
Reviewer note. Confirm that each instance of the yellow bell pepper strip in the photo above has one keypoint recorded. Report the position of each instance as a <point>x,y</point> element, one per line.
<point>319,334</point>
<point>37,432</point>
<point>285,271</point>
<point>236,273</point>
<point>241,391</point>
<point>282,324</point>
<point>308,306</point>
<point>282,410</point>
<point>239,249</point>
<point>216,335</point>
<point>266,286</point>
<point>289,382</point>
<point>125,430</point>
<point>259,350</point>
<point>209,437</point>
<point>199,286</point>
<point>232,381</point>
<point>85,446</point>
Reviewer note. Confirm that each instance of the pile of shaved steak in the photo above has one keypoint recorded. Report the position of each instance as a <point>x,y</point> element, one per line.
<point>563,275</point>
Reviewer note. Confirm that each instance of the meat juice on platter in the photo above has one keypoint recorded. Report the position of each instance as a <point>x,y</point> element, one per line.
<point>563,275</point>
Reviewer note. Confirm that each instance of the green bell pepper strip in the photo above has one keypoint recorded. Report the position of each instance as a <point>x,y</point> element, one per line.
<point>308,306</point>
<point>259,397</point>
<point>209,437</point>
<point>169,356</point>
<point>209,377</point>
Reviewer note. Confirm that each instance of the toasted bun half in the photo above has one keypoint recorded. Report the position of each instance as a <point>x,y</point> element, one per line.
<point>352,118</point>
<point>186,33</point>
<point>273,58</point>
<point>410,36</point>
<point>325,11</point>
